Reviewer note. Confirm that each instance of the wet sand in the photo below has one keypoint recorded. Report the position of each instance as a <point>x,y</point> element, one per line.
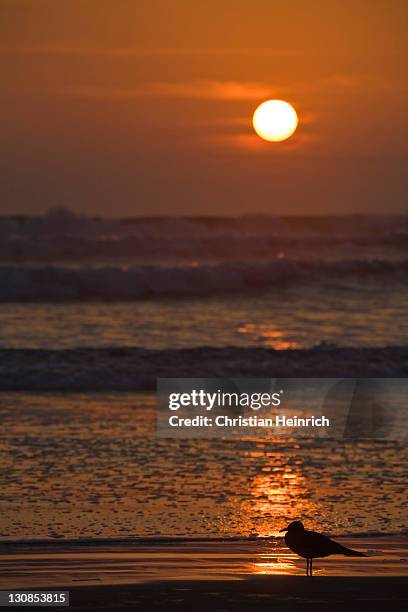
<point>100,563</point>
<point>281,593</point>
<point>209,575</point>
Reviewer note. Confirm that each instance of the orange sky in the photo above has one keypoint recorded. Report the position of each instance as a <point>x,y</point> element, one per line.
<point>129,107</point>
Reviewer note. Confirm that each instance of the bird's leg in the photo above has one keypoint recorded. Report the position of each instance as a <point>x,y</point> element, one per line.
<point>307,567</point>
<point>311,566</point>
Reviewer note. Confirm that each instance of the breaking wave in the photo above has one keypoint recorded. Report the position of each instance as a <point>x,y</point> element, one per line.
<point>137,369</point>
<point>63,283</point>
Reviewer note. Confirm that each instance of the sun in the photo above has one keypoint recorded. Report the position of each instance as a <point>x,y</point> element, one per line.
<point>275,120</point>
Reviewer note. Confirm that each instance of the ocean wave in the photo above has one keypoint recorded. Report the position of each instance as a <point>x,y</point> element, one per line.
<point>137,369</point>
<point>59,283</point>
<point>62,235</point>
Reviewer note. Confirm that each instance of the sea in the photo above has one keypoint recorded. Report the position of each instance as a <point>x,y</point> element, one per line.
<point>92,310</point>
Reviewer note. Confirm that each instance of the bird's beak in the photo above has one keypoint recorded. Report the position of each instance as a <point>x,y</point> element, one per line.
<point>285,529</point>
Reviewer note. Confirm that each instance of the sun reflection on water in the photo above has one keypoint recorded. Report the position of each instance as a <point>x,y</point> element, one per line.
<point>277,493</point>
<point>266,335</point>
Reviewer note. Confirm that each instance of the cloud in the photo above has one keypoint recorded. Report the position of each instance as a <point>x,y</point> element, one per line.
<point>204,90</point>
<point>212,90</point>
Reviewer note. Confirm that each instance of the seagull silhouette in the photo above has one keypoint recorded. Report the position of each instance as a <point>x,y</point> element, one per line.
<point>310,544</point>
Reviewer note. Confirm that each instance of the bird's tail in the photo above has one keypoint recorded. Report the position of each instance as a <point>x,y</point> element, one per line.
<point>349,552</point>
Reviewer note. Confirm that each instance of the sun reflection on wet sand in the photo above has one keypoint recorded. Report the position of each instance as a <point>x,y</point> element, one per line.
<point>289,566</point>
<point>269,564</point>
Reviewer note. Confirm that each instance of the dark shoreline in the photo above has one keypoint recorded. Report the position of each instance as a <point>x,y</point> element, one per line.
<point>280,593</point>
